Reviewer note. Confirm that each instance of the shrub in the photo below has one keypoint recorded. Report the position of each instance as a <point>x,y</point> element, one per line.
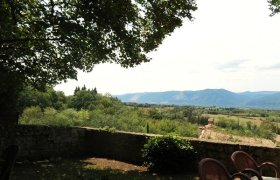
<point>31,115</point>
<point>169,154</point>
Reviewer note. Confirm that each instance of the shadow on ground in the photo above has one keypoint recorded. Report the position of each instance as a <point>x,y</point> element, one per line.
<point>84,169</point>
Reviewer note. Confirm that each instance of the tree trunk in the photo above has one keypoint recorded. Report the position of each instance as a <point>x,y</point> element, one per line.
<point>9,118</point>
<point>10,85</point>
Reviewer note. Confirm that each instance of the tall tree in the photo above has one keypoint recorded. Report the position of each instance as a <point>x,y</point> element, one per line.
<point>45,42</point>
<point>83,99</point>
<point>30,96</point>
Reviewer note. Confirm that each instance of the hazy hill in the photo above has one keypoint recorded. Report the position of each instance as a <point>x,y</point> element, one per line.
<point>207,97</point>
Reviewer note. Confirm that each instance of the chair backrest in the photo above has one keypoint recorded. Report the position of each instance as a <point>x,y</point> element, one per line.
<point>9,157</point>
<point>212,169</point>
<point>242,161</point>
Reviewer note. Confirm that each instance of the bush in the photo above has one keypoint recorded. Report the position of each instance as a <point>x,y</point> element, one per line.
<point>31,115</point>
<point>168,154</point>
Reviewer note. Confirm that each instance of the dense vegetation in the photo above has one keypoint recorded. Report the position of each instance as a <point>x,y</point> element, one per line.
<point>169,154</point>
<point>89,108</point>
<point>247,122</point>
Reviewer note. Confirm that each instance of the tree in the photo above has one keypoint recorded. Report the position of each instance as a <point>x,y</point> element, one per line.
<point>46,42</point>
<point>30,96</point>
<point>274,6</point>
<point>77,89</point>
<point>83,99</point>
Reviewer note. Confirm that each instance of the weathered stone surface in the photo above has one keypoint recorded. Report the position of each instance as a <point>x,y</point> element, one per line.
<point>42,142</point>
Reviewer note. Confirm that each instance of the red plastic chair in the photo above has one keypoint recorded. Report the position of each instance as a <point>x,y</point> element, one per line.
<point>243,160</point>
<point>212,169</point>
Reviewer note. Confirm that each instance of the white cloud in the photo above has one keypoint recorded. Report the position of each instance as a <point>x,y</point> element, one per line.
<point>271,67</point>
<point>233,65</point>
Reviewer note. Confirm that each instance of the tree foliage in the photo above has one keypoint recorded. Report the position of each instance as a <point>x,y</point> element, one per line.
<point>47,41</point>
<point>274,6</point>
<point>169,154</point>
<point>30,96</point>
<point>88,108</point>
<point>83,98</point>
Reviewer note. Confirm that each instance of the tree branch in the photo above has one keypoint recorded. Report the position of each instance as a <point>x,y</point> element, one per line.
<point>11,41</point>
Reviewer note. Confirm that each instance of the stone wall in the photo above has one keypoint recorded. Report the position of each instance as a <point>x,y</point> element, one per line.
<point>128,147</point>
<point>116,145</point>
<point>43,142</point>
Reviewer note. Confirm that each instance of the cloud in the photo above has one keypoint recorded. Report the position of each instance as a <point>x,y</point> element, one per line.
<point>233,65</point>
<point>271,67</point>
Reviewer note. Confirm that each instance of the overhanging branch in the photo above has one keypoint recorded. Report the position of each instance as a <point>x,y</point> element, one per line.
<point>11,41</point>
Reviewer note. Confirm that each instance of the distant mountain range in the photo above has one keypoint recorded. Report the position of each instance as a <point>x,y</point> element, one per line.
<point>207,97</point>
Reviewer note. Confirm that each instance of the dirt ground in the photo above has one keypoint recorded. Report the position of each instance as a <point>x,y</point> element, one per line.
<point>89,169</point>
<point>211,134</point>
<point>114,164</point>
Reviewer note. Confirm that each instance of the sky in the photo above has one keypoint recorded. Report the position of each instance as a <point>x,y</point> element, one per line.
<point>231,44</point>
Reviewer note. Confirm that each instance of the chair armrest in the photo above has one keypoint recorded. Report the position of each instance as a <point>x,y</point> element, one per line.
<point>252,172</point>
<point>241,176</point>
<point>271,165</point>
